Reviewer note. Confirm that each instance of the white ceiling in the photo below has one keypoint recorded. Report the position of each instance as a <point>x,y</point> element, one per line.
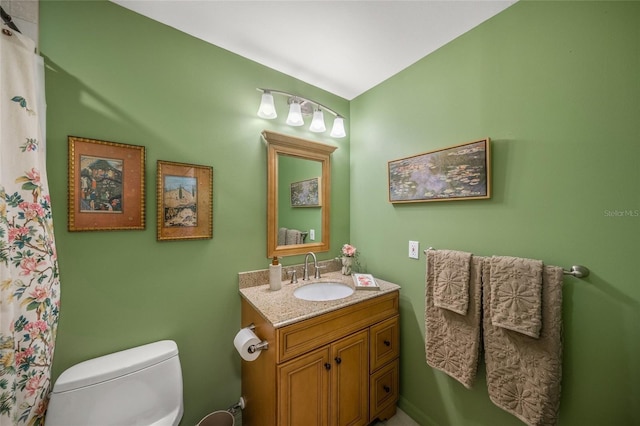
<point>344,47</point>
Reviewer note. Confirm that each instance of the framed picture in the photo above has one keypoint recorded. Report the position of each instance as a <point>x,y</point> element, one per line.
<point>306,193</point>
<point>185,201</point>
<point>106,185</point>
<point>460,172</point>
<point>365,282</point>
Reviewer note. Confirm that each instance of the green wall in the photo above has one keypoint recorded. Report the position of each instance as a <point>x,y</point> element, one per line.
<point>556,86</point>
<point>114,75</point>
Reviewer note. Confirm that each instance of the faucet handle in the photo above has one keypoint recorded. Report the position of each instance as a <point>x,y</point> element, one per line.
<point>294,277</point>
<point>317,273</point>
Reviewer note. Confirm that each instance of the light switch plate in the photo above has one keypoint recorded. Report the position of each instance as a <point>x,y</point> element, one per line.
<point>312,234</point>
<point>414,247</point>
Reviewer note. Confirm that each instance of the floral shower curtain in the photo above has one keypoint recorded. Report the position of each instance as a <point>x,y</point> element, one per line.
<point>29,283</point>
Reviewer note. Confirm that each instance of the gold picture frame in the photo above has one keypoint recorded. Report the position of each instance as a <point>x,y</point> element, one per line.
<point>106,189</point>
<point>306,193</point>
<point>184,201</point>
<point>459,172</point>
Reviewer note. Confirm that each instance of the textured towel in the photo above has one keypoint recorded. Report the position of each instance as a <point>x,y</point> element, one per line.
<point>452,341</point>
<point>282,236</point>
<point>451,280</point>
<point>516,291</point>
<point>293,237</point>
<point>523,373</point>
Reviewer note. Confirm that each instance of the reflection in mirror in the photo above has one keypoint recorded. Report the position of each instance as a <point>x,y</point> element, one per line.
<point>298,195</point>
<point>299,201</point>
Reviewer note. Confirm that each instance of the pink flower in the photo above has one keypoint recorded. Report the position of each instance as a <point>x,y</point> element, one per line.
<point>32,210</point>
<point>34,176</point>
<point>16,234</point>
<point>23,355</point>
<point>348,250</point>
<point>33,385</point>
<point>36,328</point>
<point>40,294</point>
<point>29,265</point>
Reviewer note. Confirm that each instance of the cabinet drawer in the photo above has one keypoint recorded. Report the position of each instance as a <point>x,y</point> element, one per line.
<point>383,389</point>
<point>303,336</point>
<point>384,343</point>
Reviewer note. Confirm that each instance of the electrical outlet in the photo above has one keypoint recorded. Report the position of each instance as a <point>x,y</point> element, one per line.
<point>312,234</point>
<point>414,247</point>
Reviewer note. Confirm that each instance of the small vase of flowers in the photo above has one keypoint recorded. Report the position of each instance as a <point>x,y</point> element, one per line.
<point>348,257</point>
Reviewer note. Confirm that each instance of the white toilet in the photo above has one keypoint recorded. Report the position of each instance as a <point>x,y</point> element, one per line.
<point>139,386</point>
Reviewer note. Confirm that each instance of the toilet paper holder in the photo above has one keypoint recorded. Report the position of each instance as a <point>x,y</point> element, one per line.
<point>262,346</point>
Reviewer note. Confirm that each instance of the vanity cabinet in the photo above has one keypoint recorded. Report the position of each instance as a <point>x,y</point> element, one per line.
<point>329,383</point>
<point>338,368</point>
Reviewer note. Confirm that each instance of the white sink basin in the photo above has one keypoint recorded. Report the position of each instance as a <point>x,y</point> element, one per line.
<point>318,292</point>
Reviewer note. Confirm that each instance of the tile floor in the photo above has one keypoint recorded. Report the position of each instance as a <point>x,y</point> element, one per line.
<point>400,419</point>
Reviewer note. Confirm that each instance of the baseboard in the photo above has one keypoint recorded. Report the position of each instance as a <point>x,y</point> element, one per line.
<point>415,413</point>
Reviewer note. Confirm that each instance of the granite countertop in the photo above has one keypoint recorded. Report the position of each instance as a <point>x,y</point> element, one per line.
<point>282,308</point>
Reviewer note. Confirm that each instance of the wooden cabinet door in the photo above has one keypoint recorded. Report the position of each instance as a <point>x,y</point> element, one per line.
<point>303,390</point>
<point>350,380</point>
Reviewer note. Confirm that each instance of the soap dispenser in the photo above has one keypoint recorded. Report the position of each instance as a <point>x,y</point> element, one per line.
<point>275,275</point>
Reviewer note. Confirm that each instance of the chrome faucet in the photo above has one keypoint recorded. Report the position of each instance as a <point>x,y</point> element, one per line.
<point>305,274</point>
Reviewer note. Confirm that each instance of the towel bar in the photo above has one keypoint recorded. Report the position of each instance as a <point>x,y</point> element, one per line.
<point>577,271</point>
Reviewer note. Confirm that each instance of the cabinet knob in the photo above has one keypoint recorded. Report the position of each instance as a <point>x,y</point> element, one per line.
<point>387,343</point>
<point>338,360</point>
<point>327,366</point>
<point>386,388</point>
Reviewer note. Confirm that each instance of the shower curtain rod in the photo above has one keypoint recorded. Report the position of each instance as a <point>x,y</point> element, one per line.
<point>8,21</point>
<point>577,271</point>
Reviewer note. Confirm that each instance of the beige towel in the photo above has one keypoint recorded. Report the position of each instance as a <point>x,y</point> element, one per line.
<point>524,373</point>
<point>282,236</point>
<point>451,284</point>
<point>516,289</point>
<point>452,341</point>
<point>293,237</point>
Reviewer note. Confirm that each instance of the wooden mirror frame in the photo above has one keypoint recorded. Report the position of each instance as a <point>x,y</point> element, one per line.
<point>278,143</point>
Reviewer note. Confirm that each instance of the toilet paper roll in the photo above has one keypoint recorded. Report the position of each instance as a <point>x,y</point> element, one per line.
<point>243,340</point>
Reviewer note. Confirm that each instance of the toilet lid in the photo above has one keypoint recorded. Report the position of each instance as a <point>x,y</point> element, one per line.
<point>114,365</point>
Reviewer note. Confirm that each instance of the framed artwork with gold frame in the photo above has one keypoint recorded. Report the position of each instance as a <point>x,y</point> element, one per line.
<point>106,185</point>
<point>185,201</point>
<point>459,172</point>
<point>306,193</point>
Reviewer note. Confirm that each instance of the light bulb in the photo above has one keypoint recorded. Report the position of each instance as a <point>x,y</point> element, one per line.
<point>338,128</point>
<point>317,125</point>
<point>267,109</point>
<point>295,115</point>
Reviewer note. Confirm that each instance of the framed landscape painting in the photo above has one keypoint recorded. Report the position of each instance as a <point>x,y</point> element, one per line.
<point>460,172</point>
<point>106,185</point>
<point>185,201</point>
<point>306,193</point>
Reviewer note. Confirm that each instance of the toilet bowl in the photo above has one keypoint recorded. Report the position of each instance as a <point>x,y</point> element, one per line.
<point>141,386</point>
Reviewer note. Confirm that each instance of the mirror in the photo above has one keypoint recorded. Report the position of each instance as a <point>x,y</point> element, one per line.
<point>298,195</point>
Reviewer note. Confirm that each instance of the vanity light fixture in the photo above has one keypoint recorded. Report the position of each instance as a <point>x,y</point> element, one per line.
<point>317,125</point>
<point>267,108</point>
<point>295,113</point>
<point>298,107</point>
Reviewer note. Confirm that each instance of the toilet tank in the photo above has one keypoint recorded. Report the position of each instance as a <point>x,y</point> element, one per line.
<point>139,386</point>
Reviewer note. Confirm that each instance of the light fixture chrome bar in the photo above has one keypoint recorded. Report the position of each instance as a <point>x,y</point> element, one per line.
<point>301,98</point>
